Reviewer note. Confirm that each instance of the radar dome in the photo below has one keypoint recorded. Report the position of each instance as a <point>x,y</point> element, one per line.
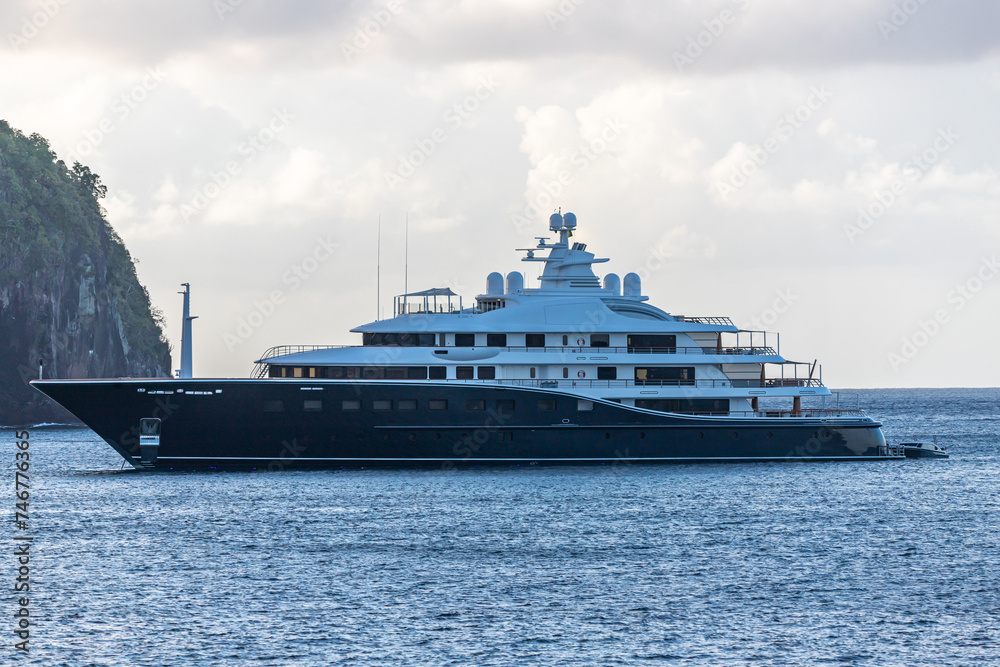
<point>515,282</point>
<point>633,285</point>
<point>569,220</point>
<point>494,284</point>
<point>555,222</point>
<point>613,283</point>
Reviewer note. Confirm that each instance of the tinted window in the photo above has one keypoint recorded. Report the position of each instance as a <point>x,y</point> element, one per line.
<point>406,404</point>
<point>496,340</point>
<point>437,404</point>
<point>382,405</point>
<point>534,340</point>
<point>487,372</point>
<point>607,373</point>
<point>350,405</point>
<point>438,372</point>
<point>475,404</point>
<point>465,340</point>
<point>546,404</point>
<point>463,372</point>
<point>599,340</point>
<point>312,406</point>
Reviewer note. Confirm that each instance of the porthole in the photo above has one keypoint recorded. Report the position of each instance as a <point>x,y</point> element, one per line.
<point>701,435</point>
<point>736,435</point>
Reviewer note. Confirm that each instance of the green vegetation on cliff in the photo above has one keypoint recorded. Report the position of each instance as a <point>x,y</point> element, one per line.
<point>69,293</point>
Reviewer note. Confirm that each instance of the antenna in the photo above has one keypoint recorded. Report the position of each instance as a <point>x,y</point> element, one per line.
<point>378,268</point>
<point>406,257</point>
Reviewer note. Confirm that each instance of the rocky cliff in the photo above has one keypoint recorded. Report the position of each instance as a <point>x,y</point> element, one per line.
<point>69,294</point>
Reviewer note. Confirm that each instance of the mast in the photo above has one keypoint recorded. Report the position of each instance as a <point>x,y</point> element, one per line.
<point>185,370</point>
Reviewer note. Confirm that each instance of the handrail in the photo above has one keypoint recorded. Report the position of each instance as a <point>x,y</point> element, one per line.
<point>724,321</point>
<point>260,366</point>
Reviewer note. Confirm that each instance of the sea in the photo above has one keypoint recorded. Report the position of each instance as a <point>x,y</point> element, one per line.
<point>806,563</point>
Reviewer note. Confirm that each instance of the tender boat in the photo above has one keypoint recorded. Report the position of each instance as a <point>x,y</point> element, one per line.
<point>922,449</point>
<point>574,371</point>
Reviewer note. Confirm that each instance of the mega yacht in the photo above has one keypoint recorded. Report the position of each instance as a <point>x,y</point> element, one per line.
<point>576,370</point>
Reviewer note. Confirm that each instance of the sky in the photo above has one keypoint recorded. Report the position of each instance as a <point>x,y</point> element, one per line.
<point>829,171</point>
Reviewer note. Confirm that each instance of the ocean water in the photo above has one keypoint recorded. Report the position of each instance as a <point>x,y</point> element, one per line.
<point>867,563</point>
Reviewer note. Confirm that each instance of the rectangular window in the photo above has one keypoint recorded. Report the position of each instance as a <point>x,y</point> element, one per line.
<point>312,406</point>
<point>487,372</point>
<point>665,375</point>
<point>381,405</point>
<point>583,405</point>
<point>437,404</point>
<point>395,372</point>
<point>546,404</point>
<point>438,372</point>
<point>416,372</point>
<point>496,340</point>
<point>465,340</point>
<point>441,339</point>
<point>406,404</point>
<point>531,372</point>
<point>297,372</point>
<point>565,340</point>
<point>711,406</point>
<point>565,372</point>
<point>600,340</point>
<point>506,436</point>
<point>652,343</point>
<point>312,371</point>
<point>463,372</point>
<point>274,406</point>
<point>475,404</point>
<point>350,405</point>
<point>534,340</point>
<point>607,373</point>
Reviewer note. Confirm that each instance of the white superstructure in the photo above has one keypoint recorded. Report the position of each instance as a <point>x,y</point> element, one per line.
<point>574,332</point>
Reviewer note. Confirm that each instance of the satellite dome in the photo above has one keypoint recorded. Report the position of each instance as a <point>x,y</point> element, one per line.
<point>555,221</point>
<point>569,220</point>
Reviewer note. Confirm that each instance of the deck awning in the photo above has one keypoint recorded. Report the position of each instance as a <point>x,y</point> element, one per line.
<point>434,291</point>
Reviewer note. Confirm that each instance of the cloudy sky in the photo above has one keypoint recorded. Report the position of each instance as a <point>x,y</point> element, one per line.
<point>826,170</point>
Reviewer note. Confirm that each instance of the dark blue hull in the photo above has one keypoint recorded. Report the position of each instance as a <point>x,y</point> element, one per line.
<point>278,424</point>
